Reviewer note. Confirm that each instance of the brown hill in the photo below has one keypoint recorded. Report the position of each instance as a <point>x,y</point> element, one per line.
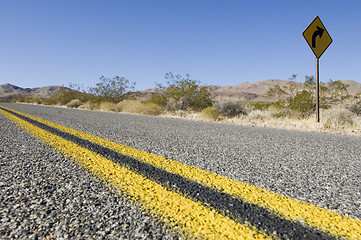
<point>258,91</point>
<point>8,90</point>
<point>248,91</point>
<point>354,87</point>
<point>244,91</point>
<point>255,92</point>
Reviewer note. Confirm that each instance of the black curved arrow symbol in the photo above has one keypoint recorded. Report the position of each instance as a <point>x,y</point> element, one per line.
<point>318,32</point>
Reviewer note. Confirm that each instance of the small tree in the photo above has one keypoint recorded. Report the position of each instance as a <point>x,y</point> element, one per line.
<point>331,92</point>
<point>66,94</point>
<point>112,89</point>
<point>300,98</point>
<point>182,93</point>
<point>302,103</point>
<point>297,97</point>
<point>335,92</point>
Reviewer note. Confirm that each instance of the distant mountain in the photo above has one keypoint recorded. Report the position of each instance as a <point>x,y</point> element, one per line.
<point>354,87</point>
<point>244,91</point>
<point>8,90</point>
<point>257,91</point>
<point>248,91</point>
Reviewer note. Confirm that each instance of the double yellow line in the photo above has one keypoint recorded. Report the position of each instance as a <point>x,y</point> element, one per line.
<point>198,219</point>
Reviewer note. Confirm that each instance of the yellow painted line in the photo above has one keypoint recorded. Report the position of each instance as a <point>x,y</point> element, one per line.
<point>174,209</point>
<point>290,209</point>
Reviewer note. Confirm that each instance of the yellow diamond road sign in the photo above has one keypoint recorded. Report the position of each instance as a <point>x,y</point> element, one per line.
<point>317,37</point>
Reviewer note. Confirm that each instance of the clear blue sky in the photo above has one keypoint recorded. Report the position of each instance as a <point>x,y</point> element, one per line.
<point>226,42</point>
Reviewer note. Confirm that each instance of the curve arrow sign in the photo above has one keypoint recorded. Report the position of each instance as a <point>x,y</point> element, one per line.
<point>318,32</point>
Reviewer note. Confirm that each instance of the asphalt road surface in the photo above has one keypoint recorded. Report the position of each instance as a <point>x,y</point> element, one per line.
<point>321,169</point>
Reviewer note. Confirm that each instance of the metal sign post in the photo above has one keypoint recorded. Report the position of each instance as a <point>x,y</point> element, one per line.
<point>317,91</point>
<point>318,39</point>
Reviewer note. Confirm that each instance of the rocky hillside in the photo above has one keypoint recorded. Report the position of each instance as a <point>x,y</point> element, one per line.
<point>8,90</point>
<point>248,91</point>
<point>244,91</point>
<point>257,91</point>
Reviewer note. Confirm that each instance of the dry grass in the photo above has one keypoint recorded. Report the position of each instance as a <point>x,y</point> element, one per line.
<point>138,107</point>
<point>131,106</point>
<point>210,113</point>
<point>259,115</point>
<point>109,107</point>
<point>335,120</point>
<point>89,106</point>
<point>338,120</point>
<point>75,103</point>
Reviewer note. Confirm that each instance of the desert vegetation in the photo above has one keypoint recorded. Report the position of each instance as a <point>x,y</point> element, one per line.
<point>182,96</point>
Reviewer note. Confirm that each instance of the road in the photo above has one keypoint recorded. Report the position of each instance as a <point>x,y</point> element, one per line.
<point>320,169</point>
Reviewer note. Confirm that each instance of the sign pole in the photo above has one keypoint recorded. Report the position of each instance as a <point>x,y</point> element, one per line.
<point>317,90</point>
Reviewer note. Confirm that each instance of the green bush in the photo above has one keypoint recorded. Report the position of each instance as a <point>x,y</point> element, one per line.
<point>230,109</point>
<point>182,93</point>
<point>66,95</point>
<point>260,105</point>
<point>302,103</point>
<point>299,97</point>
<point>159,99</point>
<point>111,89</point>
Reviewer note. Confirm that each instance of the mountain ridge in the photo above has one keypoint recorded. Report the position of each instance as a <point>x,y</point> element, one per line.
<point>8,90</point>
<point>257,91</point>
<point>245,91</point>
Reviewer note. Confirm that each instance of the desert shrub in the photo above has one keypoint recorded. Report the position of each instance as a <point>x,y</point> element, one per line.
<point>159,99</point>
<point>90,106</point>
<point>75,103</point>
<point>299,97</point>
<point>337,118</point>
<point>257,114</point>
<point>111,89</point>
<point>152,109</point>
<point>25,99</point>
<point>109,106</point>
<point>282,113</point>
<point>130,106</point>
<point>138,107</point>
<point>211,113</point>
<point>302,103</point>
<point>182,93</point>
<point>260,105</point>
<point>66,95</point>
<point>50,100</point>
<point>35,100</point>
<point>355,107</point>
<point>173,105</point>
<point>230,109</point>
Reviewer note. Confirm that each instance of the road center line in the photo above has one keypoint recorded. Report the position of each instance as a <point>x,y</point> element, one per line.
<point>231,202</point>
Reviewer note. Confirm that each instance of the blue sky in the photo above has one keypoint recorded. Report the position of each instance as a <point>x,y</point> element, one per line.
<point>217,42</point>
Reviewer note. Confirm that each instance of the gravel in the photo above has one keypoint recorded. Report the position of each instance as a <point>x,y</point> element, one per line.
<point>44,195</point>
<point>322,169</point>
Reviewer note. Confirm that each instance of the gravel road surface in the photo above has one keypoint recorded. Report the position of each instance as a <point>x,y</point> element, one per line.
<point>44,195</point>
<point>322,169</point>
